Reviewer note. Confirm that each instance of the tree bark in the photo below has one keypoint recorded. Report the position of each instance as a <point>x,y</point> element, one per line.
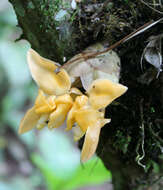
<point>131,145</point>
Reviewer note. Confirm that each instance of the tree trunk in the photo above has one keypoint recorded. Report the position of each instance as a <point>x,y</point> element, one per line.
<point>131,145</point>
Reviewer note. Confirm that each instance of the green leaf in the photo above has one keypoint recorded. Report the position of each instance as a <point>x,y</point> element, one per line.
<point>58,152</point>
<point>91,173</point>
<point>53,181</point>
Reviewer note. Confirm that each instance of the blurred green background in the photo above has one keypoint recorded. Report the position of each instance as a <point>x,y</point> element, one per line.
<point>39,159</point>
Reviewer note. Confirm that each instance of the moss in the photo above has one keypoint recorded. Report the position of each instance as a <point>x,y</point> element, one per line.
<point>19,9</point>
<point>30,5</point>
<point>122,142</point>
<point>89,23</point>
<point>32,37</point>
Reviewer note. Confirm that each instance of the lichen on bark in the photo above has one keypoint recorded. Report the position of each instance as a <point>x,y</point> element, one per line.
<point>131,145</point>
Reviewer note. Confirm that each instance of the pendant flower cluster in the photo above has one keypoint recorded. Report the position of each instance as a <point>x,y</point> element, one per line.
<point>57,101</point>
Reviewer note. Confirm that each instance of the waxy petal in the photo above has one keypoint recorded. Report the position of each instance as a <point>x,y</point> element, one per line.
<point>87,117</point>
<point>80,102</point>
<point>70,119</point>
<point>64,99</point>
<point>74,92</point>
<point>42,121</point>
<point>43,72</point>
<point>90,142</point>
<point>64,104</point>
<point>58,117</point>
<point>91,139</point>
<point>77,132</point>
<point>103,91</point>
<point>29,121</point>
<point>44,104</point>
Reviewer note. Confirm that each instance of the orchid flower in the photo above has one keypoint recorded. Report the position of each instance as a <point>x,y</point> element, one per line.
<point>56,100</point>
<point>47,110</point>
<point>53,101</point>
<point>87,113</point>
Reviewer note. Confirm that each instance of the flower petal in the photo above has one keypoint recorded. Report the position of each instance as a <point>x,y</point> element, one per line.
<point>90,142</point>
<point>42,71</point>
<point>42,121</point>
<point>74,92</point>
<point>103,91</point>
<point>58,117</point>
<point>78,133</point>
<point>64,99</point>
<point>87,117</point>
<point>44,104</point>
<point>66,103</point>
<point>70,119</point>
<point>87,79</point>
<point>80,102</point>
<point>29,121</point>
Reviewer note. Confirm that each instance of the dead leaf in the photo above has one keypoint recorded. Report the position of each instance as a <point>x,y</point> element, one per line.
<point>152,53</point>
<point>106,65</point>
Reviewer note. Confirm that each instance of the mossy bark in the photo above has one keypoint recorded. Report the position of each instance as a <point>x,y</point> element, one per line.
<point>131,145</point>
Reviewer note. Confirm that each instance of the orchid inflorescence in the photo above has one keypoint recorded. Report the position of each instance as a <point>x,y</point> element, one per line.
<point>58,101</point>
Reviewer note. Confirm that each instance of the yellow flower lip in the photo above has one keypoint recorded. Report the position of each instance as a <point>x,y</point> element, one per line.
<point>80,102</point>
<point>103,91</point>
<point>87,117</point>
<point>58,117</point>
<point>43,72</point>
<point>43,104</point>
<point>63,105</point>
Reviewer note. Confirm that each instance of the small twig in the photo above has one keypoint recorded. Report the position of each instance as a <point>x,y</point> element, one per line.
<point>157,180</point>
<point>151,7</point>
<point>92,55</point>
<point>87,56</point>
<point>155,135</point>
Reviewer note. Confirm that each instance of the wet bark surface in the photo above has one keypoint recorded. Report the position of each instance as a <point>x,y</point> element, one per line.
<point>131,145</point>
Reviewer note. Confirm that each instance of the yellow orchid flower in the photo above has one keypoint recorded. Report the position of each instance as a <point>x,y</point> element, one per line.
<point>90,122</point>
<point>49,110</point>
<point>84,119</point>
<point>87,113</point>
<point>56,100</point>
<point>53,101</point>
